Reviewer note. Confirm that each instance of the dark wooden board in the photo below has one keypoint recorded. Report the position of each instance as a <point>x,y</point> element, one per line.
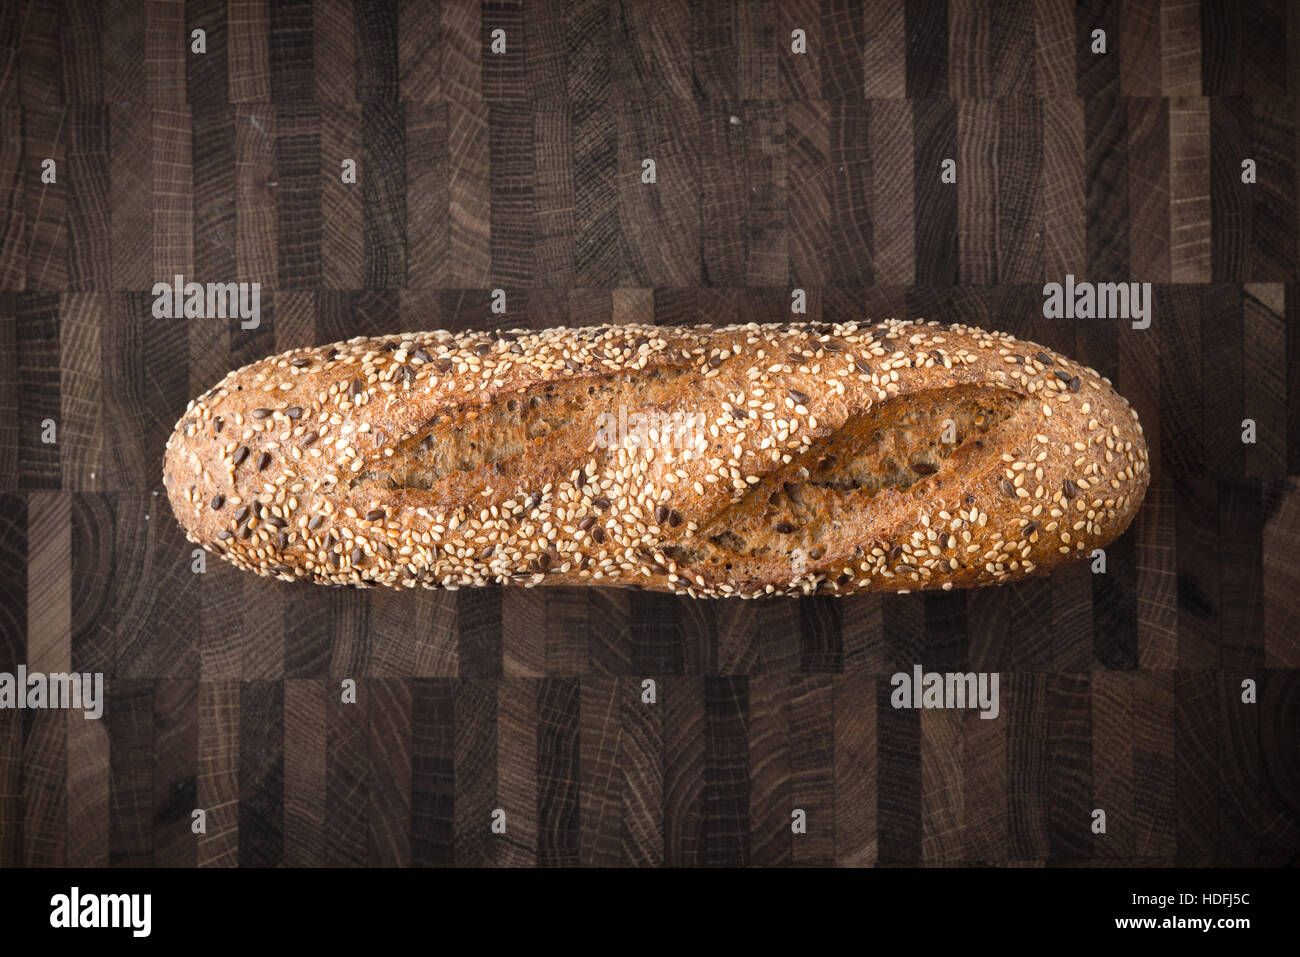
<point>522,171</point>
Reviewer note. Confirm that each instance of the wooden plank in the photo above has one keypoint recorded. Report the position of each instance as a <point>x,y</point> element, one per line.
<point>517,754</point>
<point>512,169</point>
<point>175,772</point>
<point>558,763</point>
<point>469,241</point>
<point>1222,50</point>
<point>1189,189</point>
<point>129,713</point>
<point>1180,48</point>
<point>715,54</point>
<point>844,33</point>
<point>37,334</point>
<point>419,52</point>
<point>505,72</point>
<point>771,799</point>
<point>40,81</point>
<point>1264,38</point>
<point>808,136</point>
<point>1064,191</point>
<point>80,30</point>
<point>1106,196</point>
<point>378,70</point>
<point>724,837</point>
<point>800,75</point>
<point>49,582</point>
<point>899,830</point>
<point>433,773</point>
<point>600,805</point>
<point>249,67</point>
<point>1024,702</point>
<point>683,770</point>
<point>131,189</point>
<point>758,70</point>
<point>927,48</point>
<point>388,773</point>
<point>984,789</point>
<point>1140,52</point>
<point>1278,831</point>
<point>166,50</point>
<point>343,247</point>
<point>977,191</point>
<point>428,205</point>
<point>334,53</point>
<point>291,51</point>
<point>854,711</point>
<point>812,768</point>
<point>88,790</point>
<point>383,194</point>
<point>1241,595</point>
<point>45,138</point>
<point>298,162</point>
<point>215,177</point>
<point>723,196</point>
<point>1055,59</point>
<point>261,773</point>
<point>1069,771</point>
<point>1098,73</point>
<point>942,793</point>
<point>1273,221</point>
<point>852,239</point>
<point>945,631</point>
<point>1230,198</point>
<point>1199,572</point>
<point>1149,234</point>
<point>934,137</point>
<point>88,174</point>
<point>256,190</point>
<point>218,761</point>
<point>821,636</point>
<point>1222,380</point>
<point>206,73</point>
<point>1264,372</point>
<point>648,51</point>
<point>1196,765</point>
<point>1020,212</point>
<point>475,772</point>
<point>1181,394</point>
<point>641,764</point>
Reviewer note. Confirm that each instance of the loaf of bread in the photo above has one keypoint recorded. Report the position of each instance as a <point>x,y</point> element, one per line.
<point>742,461</point>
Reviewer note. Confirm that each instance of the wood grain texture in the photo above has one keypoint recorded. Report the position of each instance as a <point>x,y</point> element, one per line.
<point>611,727</point>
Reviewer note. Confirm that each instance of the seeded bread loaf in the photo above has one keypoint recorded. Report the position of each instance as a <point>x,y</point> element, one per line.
<point>740,461</point>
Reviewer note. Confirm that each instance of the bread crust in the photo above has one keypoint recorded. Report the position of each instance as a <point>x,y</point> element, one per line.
<point>741,461</point>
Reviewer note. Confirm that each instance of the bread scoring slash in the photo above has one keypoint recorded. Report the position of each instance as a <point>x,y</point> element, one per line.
<point>750,460</point>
